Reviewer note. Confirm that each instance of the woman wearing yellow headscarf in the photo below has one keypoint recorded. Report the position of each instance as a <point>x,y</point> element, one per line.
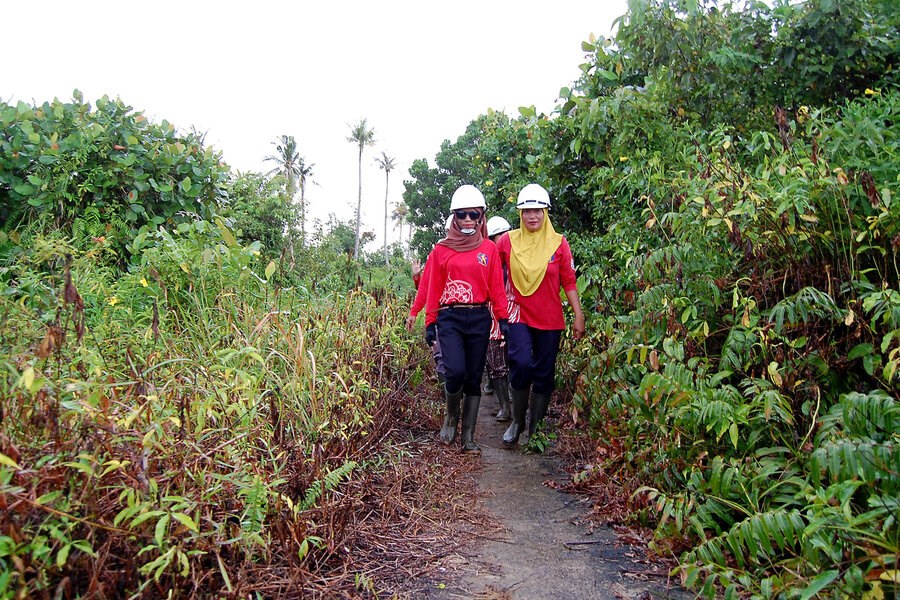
<point>540,262</point>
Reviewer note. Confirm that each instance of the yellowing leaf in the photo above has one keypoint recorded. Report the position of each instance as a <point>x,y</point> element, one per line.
<point>5,460</point>
<point>774,374</point>
<point>28,377</point>
<point>892,575</point>
<point>848,320</point>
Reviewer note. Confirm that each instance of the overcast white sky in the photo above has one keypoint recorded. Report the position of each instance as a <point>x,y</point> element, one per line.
<point>247,72</point>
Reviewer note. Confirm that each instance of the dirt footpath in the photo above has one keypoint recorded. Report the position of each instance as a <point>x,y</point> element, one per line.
<point>544,548</point>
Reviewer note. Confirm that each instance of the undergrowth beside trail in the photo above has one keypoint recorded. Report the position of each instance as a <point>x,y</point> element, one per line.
<point>198,432</point>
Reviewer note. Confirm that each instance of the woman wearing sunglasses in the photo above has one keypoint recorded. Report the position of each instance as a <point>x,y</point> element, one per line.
<point>539,262</point>
<point>465,276</point>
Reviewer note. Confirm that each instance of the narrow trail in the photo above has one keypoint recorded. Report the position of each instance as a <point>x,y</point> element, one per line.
<point>544,547</point>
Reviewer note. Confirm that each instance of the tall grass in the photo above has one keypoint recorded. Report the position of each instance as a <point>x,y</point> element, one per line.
<point>179,427</point>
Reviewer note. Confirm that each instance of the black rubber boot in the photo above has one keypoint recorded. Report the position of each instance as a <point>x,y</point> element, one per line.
<point>451,416</point>
<point>539,403</point>
<point>501,390</point>
<point>519,406</point>
<point>470,417</point>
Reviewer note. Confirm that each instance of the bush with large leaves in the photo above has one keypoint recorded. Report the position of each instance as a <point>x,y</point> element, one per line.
<point>101,172</point>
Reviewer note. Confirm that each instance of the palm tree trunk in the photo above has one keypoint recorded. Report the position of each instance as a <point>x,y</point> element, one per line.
<point>302,214</point>
<point>387,178</point>
<point>358,206</point>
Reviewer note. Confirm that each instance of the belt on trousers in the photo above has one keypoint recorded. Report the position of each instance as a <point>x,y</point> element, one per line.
<point>450,306</point>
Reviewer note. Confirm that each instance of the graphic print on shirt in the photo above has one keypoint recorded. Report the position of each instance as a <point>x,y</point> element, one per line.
<point>482,259</point>
<point>457,291</point>
<point>512,307</point>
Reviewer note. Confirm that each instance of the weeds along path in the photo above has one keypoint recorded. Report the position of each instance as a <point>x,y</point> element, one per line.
<point>543,545</point>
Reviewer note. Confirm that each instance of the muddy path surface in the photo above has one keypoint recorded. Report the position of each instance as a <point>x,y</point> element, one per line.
<point>543,545</point>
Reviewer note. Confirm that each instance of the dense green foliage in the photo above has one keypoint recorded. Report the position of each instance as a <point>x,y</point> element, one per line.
<point>731,199</point>
<point>101,172</point>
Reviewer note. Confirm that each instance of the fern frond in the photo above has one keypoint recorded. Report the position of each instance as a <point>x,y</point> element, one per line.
<point>760,538</point>
<point>806,305</point>
<point>328,483</point>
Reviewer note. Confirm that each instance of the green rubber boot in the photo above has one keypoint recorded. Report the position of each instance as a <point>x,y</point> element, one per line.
<point>519,406</point>
<point>470,417</point>
<point>451,416</point>
<point>501,390</point>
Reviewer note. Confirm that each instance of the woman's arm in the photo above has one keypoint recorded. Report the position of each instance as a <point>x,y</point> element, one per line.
<point>575,303</point>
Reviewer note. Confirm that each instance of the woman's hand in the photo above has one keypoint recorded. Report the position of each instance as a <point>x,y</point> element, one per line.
<point>578,324</point>
<point>410,322</point>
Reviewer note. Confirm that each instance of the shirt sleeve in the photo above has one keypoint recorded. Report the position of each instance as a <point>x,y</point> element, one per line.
<point>497,289</point>
<point>434,285</point>
<point>568,278</point>
<point>422,290</point>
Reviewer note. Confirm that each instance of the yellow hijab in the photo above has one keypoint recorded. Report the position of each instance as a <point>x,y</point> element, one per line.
<point>531,251</point>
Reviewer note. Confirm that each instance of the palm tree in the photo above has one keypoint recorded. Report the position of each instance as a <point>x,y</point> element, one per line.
<point>361,135</point>
<point>290,166</point>
<point>401,211</point>
<point>387,163</point>
<point>306,172</point>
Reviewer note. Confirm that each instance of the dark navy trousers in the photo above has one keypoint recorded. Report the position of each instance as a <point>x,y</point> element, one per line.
<point>464,334</point>
<point>532,357</point>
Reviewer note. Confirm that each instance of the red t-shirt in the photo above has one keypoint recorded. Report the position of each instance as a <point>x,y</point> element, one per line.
<point>543,308</point>
<point>471,277</point>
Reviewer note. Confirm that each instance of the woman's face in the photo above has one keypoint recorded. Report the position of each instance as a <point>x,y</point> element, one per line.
<point>532,218</point>
<point>467,219</point>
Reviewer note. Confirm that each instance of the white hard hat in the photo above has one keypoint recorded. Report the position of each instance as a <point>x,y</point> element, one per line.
<point>467,196</point>
<point>533,196</point>
<point>497,225</point>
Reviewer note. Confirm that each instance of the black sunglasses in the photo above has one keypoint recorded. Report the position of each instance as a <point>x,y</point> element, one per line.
<point>472,214</point>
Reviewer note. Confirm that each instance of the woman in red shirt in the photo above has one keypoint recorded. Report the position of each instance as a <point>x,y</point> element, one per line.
<point>539,262</point>
<point>465,276</point>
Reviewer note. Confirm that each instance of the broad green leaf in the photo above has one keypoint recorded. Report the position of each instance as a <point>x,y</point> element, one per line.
<point>162,527</point>
<point>186,185</point>
<point>49,497</point>
<point>63,555</point>
<point>607,75</point>
<point>860,350</point>
<point>270,269</point>
<point>185,520</point>
<point>145,516</point>
<point>818,583</point>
